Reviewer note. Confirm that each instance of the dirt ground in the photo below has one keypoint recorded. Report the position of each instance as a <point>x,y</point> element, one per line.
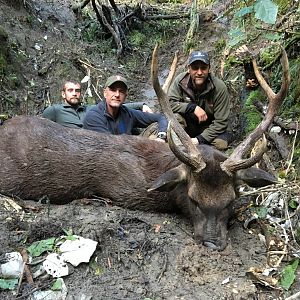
<point>140,255</point>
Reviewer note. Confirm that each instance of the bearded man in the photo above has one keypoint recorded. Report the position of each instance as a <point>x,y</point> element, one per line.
<point>202,102</point>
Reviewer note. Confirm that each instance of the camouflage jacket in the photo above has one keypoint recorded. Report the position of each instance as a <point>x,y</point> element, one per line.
<point>214,99</point>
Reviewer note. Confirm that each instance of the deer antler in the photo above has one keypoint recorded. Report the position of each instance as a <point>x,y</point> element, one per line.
<point>192,157</point>
<point>235,161</point>
<point>171,74</point>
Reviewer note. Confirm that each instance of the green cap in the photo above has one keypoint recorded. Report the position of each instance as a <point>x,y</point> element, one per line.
<point>116,78</point>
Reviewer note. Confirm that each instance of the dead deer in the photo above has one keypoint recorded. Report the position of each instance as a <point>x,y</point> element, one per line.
<point>41,158</point>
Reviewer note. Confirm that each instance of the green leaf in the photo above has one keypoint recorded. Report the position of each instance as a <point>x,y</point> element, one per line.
<point>97,269</point>
<point>37,248</point>
<point>261,211</point>
<point>236,36</point>
<point>288,275</point>
<point>57,285</point>
<point>69,235</point>
<point>293,204</point>
<point>8,284</point>
<point>273,36</point>
<point>266,11</point>
<point>244,11</point>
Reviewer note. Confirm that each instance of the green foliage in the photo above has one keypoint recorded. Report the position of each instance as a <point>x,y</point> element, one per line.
<point>39,247</point>
<point>297,235</point>
<point>30,19</point>
<point>220,44</point>
<point>8,284</point>
<point>92,32</point>
<point>250,16</point>
<point>283,5</point>
<point>266,11</point>
<point>98,270</point>
<point>236,36</point>
<point>293,203</point>
<point>69,235</point>
<point>252,116</point>
<point>288,275</point>
<point>3,65</point>
<point>57,285</point>
<point>137,38</point>
<point>261,211</point>
<point>268,54</point>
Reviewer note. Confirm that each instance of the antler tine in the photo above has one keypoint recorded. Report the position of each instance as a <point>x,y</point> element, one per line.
<point>235,161</point>
<point>195,158</point>
<point>171,74</point>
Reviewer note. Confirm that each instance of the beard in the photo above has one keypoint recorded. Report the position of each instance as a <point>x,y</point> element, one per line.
<point>73,101</point>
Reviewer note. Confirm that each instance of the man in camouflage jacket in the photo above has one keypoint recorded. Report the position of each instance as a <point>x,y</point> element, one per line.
<point>202,101</point>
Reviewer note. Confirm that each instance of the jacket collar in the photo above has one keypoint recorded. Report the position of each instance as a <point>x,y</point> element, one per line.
<point>79,107</point>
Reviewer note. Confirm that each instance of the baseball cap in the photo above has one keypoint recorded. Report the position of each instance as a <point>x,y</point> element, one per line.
<point>116,78</point>
<point>199,55</point>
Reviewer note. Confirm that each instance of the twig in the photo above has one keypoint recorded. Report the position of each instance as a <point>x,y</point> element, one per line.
<point>96,92</point>
<point>164,268</point>
<point>34,290</point>
<point>293,150</point>
<point>26,268</point>
<point>21,278</point>
<point>89,65</point>
<point>80,5</point>
<point>293,297</point>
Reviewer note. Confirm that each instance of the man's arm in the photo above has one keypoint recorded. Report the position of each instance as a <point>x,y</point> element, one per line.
<point>138,106</point>
<point>221,114</point>
<point>144,119</point>
<point>177,99</point>
<point>49,113</point>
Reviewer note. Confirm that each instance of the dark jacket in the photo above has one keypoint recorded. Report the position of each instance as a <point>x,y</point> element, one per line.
<point>214,99</point>
<point>68,116</point>
<point>99,120</point>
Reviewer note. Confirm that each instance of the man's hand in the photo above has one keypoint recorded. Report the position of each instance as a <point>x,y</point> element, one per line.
<point>200,114</point>
<point>147,109</point>
<point>195,141</point>
<point>160,140</point>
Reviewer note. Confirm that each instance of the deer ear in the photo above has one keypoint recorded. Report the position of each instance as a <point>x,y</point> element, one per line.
<point>167,181</point>
<point>255,177</point>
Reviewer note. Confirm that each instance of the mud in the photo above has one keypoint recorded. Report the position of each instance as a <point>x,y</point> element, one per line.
<point>140,255</point>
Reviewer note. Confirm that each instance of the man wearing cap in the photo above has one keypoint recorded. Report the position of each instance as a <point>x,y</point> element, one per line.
<point>111,116</point>
<point>202,100</point>
<point>72,112</point>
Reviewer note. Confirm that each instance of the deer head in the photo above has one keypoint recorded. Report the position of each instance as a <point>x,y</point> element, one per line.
<point>207,178</point>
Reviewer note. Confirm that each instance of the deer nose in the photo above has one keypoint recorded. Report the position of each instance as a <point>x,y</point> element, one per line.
<point>211,245</point>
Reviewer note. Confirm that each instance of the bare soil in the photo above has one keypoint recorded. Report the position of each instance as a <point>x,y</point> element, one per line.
<point>140,254</point>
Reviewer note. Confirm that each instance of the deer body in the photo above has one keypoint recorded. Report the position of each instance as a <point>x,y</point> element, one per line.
<point>41,158</point>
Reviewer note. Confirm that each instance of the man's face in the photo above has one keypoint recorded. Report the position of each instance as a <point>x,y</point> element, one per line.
<point>199,72</point>
<point>71,93</point>
<point>115,94</point>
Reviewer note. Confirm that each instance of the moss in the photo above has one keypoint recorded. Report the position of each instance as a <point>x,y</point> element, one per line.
<point>269,54</point>
<point>220,44</point>
<point>283,5</point>
<point>137,38</point>
<point>251,114</point>
<point>3,65</point>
